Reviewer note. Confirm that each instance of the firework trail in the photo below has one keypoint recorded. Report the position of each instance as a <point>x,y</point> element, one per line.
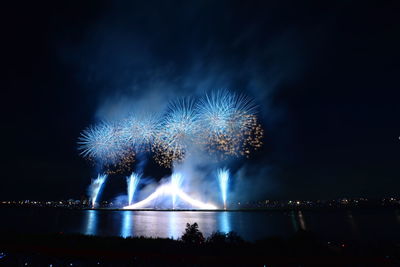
<point>170,190</point>
<point>176,181</point>
<point>132,183</point>
<point>176,132</point>
<point>95,187</point>
<point>228,123</point>
<point>223,179</point>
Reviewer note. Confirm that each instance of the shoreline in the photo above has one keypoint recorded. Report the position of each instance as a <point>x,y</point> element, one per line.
<point>317,209</point>
<point>302,248</point>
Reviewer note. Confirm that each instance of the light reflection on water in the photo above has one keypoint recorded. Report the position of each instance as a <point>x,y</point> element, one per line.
<point>297,220</point>
<point>294,221</point>
<point>91,222</point>
<point>358,224</point>
<point>224,220</point>
<point>126,228</point>
<point>249,225</point>
<point>352,223</point>
<point>301,220</point>
<point>172,231</point>
<point>170,224</point>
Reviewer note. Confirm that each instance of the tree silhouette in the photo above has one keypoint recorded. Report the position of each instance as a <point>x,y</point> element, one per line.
<point>192,234</point>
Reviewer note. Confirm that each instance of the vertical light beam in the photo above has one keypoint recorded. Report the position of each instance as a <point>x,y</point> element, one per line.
<point>223,179</point>
<point>96,187</point>
<point>176,181</point>
<point>132,183</point>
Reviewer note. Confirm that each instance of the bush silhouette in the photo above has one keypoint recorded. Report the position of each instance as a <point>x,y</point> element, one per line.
<point>192,234</point>
<point>217,238</point>
<point>234,238</point>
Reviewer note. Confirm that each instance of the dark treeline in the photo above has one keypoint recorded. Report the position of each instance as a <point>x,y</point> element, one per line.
<point>192,248</point>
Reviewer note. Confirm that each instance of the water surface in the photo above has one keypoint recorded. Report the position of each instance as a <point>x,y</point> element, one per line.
<point>371,224</point>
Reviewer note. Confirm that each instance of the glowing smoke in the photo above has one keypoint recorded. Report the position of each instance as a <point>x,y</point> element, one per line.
<point>132,182</point>
<point>95,187</point>
<point>223,179</point>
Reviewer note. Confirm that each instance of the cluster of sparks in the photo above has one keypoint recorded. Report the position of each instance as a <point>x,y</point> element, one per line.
<point>176,132</point>
<point>222,123</point>
<point>228,123</point>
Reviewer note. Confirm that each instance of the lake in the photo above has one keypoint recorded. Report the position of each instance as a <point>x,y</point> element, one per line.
<point>335,225</point>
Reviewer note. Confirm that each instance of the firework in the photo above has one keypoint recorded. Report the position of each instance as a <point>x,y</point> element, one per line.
<point>132,182</point>
<point>95,187</point>
<point>138,132</point>
<point>103,144</point>
<point>171,190</point>
<point>176,132</point>
<point>223,123</point>
<point>223,179</point>
<point>228,123</point>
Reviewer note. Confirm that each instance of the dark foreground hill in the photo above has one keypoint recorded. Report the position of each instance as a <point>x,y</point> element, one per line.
<point>302,249</point>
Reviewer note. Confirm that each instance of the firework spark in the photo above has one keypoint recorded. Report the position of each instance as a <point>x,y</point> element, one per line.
<point>132,183</point>
<point>223,179</point>
<point>171,190</point>
<point>95,187</point>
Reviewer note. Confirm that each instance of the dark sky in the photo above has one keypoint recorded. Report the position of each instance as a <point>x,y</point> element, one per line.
<point>326,79</point>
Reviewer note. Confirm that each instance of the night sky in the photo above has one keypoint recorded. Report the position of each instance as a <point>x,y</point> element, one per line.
<point>326,79</point>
